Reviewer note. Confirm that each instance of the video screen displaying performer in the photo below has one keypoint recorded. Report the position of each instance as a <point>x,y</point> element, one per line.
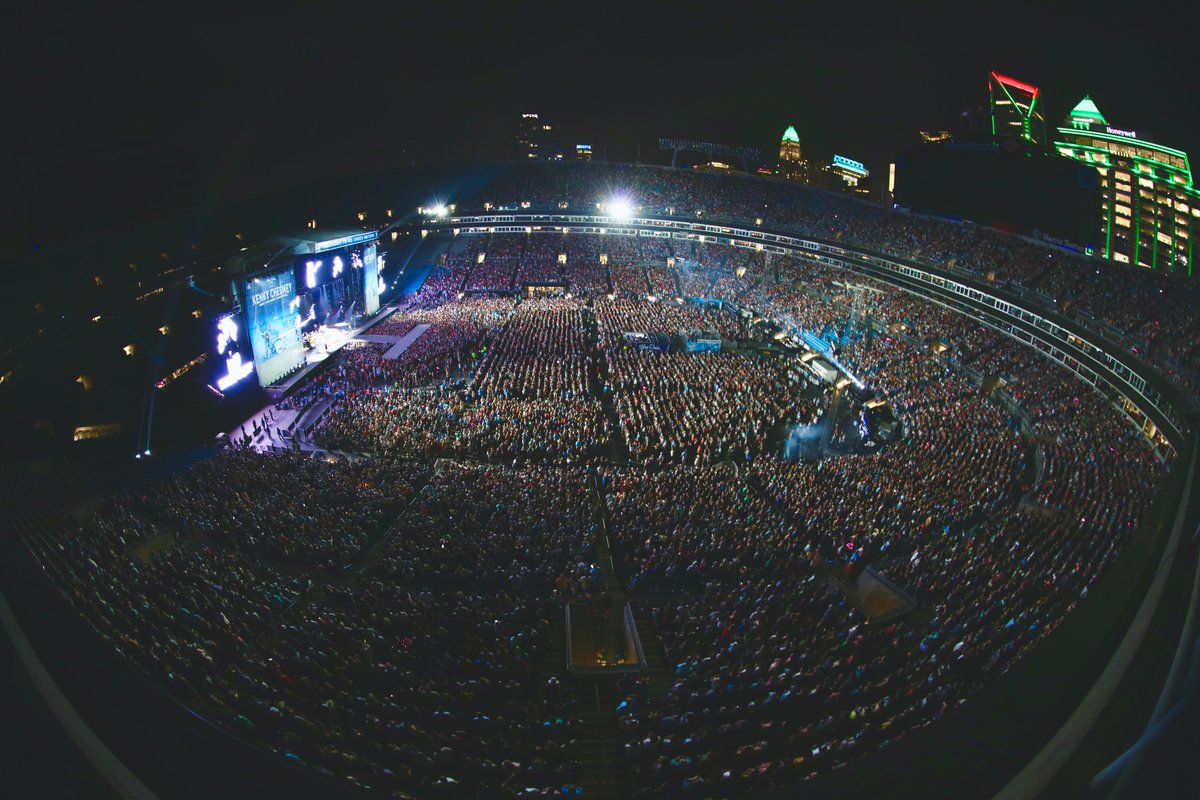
<point>274,325</point>
<point>231,357</point>
<point>337,286</point>
<point>370,279</point>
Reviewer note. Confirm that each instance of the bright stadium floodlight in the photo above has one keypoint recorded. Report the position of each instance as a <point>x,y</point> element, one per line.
<point>620,208</point>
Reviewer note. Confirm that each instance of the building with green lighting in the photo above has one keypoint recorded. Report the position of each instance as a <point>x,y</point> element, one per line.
<point>1016,110</point>
<point>1150,211</point>
<point>791,160</point>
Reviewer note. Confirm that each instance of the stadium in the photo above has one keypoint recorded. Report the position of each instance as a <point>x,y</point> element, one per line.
<point>609,480</point>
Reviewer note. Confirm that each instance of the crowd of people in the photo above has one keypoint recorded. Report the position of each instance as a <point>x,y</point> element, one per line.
<point>419,672</point>
<point>545,351</point>
<point>1150,311</point>
<point>453,344</point>
<point>627,313</point>
<point>382,614</point>
<point>759,642</point>
<point>690,408</point>
<point>526,397</point>
<point>430,424</point>
<point>291,509</point>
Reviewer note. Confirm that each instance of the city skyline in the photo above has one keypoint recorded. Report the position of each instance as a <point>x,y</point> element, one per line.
<point>257,99</point>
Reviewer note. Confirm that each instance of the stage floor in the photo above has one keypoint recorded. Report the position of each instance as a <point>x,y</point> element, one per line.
<point>335,340</point>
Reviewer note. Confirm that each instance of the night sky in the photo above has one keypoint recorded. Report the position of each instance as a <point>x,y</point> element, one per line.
<point>257,98</point>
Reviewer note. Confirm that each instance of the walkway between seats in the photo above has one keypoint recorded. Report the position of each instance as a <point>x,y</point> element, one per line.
<point>405,341</point>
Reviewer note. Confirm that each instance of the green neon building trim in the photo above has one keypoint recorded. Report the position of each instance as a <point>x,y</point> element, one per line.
<point>1025,109</point>
<point>1108,229</point>
<point>1017,108</point>
<point>1167,178</point>
<point>1185,171</point>
<point>790,135</point>
<point>1137,235</point>
<point>1087,108</point>
<point>1154,252</point>
<point>1126,139</point>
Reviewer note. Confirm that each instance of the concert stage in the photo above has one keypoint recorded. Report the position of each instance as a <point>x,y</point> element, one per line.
<point>271,427</point>
<point>326,344</point>
<point>326,340</point>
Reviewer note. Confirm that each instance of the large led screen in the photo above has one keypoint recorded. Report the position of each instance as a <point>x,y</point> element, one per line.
<point>370,279</point>
<point>273,325</point>
<point>233,361</point>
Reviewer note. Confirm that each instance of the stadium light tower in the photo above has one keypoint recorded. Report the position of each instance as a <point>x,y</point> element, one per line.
<point>438,209</point>
<point>620,207</point>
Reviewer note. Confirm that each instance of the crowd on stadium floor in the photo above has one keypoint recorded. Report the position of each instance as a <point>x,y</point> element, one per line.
<point>383,617</point>
<point>1153,310</point>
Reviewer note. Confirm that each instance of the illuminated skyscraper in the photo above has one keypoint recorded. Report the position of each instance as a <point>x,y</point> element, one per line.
<point>1149,206</point>
<point>1016,110</point>
<point>791,161</point>
<point>537,140</point>
<point>526,133</point>
<point>853,174</point>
